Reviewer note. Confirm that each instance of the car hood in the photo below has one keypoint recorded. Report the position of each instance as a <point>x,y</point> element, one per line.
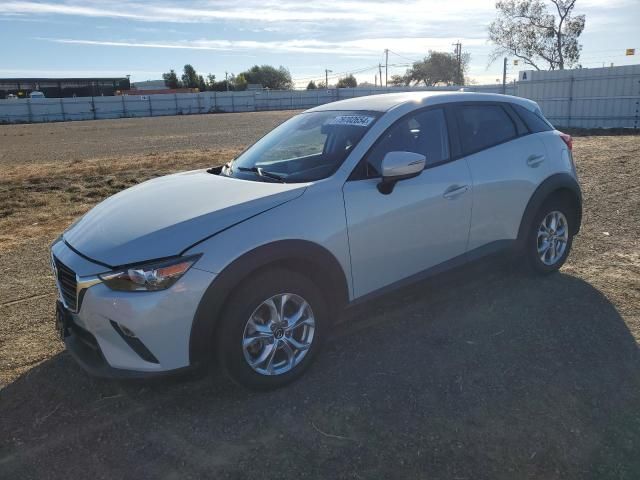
<point>164,216</point>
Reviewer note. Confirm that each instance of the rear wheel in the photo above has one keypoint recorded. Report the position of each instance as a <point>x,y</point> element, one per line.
<point>272,329</point>
<point>550,237</point>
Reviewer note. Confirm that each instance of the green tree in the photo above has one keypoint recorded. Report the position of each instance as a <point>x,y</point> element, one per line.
<point>312,85</point>
<point>438,68</point>
<point>399,80</point>
<point>211,82</point>
<point>269,77</point>
<point>202,84</point>
<point>347,82</point>
<point>190,77</point>
<point>220,86</point>
<point>527,30</point>
<point>171,79</point>
<point>239,82</point>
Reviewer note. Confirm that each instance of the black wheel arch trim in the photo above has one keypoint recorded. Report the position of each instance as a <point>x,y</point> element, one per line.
<point>326,270</point>
<point>555,183</point>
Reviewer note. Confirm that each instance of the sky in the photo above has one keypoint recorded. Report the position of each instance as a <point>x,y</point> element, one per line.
<point>146,38</point>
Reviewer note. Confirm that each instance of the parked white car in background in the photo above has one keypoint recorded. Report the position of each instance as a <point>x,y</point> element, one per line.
<point>252,262</point>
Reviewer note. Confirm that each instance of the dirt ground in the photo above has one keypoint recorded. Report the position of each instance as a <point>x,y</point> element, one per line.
<point>484,373</point>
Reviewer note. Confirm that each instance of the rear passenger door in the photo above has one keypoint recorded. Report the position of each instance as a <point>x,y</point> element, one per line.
<point>507,164</point>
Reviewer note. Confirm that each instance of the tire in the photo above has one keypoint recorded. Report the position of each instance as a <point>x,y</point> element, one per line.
<point>542,253</point>
<point>253,311</point>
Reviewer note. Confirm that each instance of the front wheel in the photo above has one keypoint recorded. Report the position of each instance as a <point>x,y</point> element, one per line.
<point>550,238</point>
<point>272,328</point>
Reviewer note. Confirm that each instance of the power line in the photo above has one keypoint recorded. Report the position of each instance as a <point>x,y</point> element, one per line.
<point>337,74</point>
<point>403,57</point>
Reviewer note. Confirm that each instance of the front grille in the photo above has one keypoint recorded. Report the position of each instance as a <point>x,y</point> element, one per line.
<point>68,284</point>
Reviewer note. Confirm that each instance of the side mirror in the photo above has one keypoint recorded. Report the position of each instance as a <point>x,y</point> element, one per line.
<point>398,166</point>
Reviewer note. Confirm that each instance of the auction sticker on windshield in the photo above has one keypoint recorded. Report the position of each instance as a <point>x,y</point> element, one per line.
<point>354,120</point>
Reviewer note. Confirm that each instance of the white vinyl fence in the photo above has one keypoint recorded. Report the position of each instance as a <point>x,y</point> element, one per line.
<point>586,98</point>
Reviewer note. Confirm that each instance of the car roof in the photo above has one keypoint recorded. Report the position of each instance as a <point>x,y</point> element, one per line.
<point>387,101</point>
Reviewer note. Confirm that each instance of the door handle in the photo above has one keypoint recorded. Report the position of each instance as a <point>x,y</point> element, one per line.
<point>455,191</point>
<point>534,160</point>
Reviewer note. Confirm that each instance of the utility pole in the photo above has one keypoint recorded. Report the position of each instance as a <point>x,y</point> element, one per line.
<point>226,80</point>
<point>504,77</point>
<point>375,80</point>
<point>326,77</point>
<point>458,53</point>
<point>380,72</point>
<point>386,68</point>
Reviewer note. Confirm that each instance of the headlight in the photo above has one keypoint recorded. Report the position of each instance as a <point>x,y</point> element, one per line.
<point>150,276</point>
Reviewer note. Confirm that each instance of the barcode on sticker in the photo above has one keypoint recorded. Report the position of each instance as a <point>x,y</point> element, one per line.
<point>355,120</point>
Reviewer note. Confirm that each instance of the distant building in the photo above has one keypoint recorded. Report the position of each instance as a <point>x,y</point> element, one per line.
<point>163,91</point>
<point>62,87</point>
<point>150,85</point>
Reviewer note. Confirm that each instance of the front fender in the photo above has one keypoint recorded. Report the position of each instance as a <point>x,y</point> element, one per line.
<point>307,257</point>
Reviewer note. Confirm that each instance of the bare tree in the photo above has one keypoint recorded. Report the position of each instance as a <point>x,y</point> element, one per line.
<point>525,29</point>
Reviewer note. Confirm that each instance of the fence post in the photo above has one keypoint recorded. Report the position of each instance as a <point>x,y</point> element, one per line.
<point>150,106</point>
<point>570,100</point>
<point>124,107</point>
<point>175,100</point>
<point>199,103</point>
<point>62,108</point>
<point>93,107</point>
<point>215,101</point>
<point>233,106</point>
<point>635,120</point>
<point>29,108</point>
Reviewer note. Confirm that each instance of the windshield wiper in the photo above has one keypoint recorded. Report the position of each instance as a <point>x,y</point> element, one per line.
<point>262,173</point>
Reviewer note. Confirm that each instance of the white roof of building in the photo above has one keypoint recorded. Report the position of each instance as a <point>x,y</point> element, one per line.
<point>387,101</point>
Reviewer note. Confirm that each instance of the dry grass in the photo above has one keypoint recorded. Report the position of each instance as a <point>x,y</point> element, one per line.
<point>37,200</point>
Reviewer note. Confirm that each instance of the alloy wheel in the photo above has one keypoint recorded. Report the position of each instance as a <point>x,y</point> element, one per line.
<point>553,235</point>
<point>278,334</point>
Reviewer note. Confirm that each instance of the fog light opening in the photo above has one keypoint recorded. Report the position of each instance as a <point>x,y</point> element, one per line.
<point>128,332</point>
<point>134,342</point>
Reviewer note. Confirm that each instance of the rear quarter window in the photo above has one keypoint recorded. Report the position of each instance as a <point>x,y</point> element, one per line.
<point>535,122</point>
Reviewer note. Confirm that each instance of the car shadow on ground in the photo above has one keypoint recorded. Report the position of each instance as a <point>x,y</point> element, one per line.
<point>481,373</point>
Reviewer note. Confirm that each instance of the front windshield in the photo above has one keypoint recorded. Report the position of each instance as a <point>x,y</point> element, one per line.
<point>308,147</point>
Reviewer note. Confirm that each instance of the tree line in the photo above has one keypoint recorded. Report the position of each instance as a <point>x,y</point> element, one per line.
<point>265,75</point>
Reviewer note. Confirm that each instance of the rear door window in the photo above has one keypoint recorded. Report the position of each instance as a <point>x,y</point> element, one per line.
<point>483,126</point>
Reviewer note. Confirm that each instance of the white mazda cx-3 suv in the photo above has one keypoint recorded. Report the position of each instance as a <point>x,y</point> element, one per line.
<point>252,262</point>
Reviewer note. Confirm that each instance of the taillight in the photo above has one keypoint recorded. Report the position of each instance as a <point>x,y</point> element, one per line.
<point>568,140</point>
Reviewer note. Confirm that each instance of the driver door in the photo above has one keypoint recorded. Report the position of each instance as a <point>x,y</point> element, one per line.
<point>423,222</point>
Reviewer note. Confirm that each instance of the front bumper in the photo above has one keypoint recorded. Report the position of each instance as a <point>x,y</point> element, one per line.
<point>85,350</point>
<point>131,334</point>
